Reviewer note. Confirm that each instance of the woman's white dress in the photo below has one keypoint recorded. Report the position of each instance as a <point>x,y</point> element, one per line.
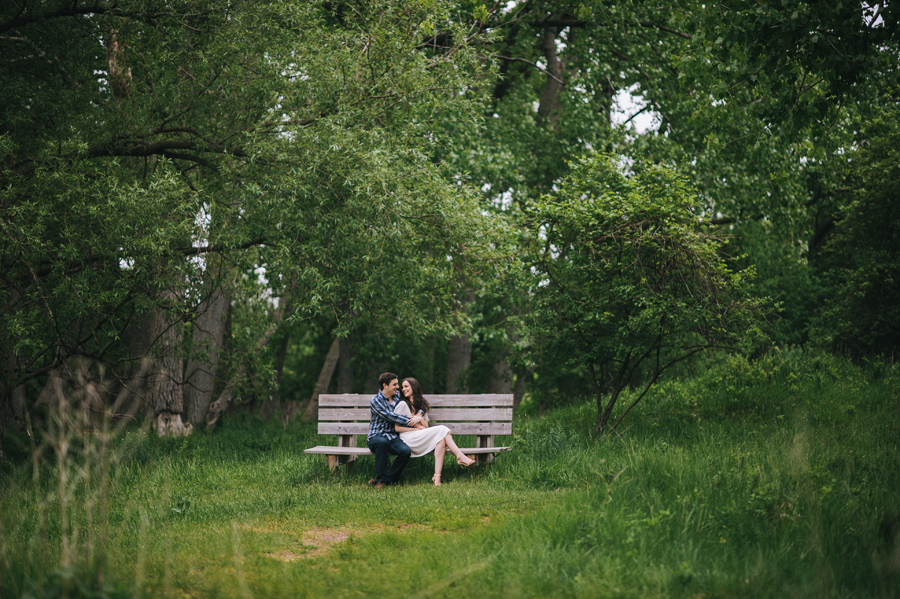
<point>421,441</point>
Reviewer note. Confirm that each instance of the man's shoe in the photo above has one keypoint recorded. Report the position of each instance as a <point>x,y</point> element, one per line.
<point>372,481</point>
<point>379,485</point>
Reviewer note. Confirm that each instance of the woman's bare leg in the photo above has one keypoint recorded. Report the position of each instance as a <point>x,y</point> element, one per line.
<point>455,450</point>
<point>439,450</point>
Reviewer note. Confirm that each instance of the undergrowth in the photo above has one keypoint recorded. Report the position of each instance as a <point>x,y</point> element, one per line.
<point>771,478</point>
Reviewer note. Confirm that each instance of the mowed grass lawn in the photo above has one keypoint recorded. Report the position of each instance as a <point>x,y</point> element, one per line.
<point>779,478</point>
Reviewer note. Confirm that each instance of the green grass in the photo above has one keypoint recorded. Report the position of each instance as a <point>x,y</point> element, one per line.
<point>773,479</point>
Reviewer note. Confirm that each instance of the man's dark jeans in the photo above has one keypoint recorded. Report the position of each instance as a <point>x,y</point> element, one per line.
<point>381,446</point>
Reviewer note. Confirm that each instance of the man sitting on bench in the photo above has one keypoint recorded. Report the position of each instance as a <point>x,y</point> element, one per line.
<point>382,438</point>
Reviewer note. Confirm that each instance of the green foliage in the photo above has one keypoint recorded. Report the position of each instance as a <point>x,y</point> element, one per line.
<point>783,274</point>
<point>271,149</point>
<point>627,280</point>
<point>798,60</point>
<point>783,93</point>
<point>778,384</point>
<point>862,314</point>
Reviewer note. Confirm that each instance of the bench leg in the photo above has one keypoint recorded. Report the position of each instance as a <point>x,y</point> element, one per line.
<point>484,441</point>
<point>337,460</point>
<point>334,461</point>
<point>483,458</point>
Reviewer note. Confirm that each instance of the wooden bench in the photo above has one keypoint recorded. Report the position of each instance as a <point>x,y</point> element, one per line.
<point>347,416</point>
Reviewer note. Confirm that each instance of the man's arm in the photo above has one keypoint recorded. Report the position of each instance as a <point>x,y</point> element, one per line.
<point>415,422</point>
<point>381,407</point>
<point>399,428</point>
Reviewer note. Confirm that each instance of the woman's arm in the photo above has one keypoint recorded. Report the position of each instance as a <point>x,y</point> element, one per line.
<point>405,429</point>
<point>404,410</point>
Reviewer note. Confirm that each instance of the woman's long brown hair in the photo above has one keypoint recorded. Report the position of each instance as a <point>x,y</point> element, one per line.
<point>418,402</point>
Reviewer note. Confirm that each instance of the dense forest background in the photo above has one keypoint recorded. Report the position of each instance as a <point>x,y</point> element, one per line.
<point>218,206</point>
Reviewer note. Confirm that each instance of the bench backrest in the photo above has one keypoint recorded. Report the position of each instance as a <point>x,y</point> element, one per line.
<point>484,414</point>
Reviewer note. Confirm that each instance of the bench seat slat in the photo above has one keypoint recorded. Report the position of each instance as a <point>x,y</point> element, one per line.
<point>358,451</point>
<point>436,414</point>
<point>489,400</point>
<point>457,428</point>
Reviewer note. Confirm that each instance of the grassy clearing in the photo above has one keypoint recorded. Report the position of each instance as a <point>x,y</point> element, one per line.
<point>773,479</point>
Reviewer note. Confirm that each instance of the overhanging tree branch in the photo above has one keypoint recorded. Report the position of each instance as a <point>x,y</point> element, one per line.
<point>24,18</point>
<point>544,71</point>
<point>47,265</point>
<point>666,29</point>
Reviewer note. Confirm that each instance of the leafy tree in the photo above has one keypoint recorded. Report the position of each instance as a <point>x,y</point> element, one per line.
<point>862,315</point>
<point>628,280</point>
<point>799,61</point>
<point>156,154</point>
<point>797,84</point>
<point>560,65</point>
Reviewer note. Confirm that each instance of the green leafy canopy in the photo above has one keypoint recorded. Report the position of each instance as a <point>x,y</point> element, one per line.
<point>628,279</point>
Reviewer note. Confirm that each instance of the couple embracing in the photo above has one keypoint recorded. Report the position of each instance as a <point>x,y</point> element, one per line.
<point>399,426</point>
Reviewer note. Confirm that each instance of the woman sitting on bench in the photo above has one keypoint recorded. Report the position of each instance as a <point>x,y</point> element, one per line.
<point>424,439</point>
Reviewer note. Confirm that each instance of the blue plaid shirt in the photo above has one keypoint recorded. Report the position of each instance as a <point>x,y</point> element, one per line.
<point>383,417</point>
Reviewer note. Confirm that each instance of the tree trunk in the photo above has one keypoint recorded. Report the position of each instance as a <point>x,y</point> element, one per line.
<point>430,375</point>
<point>10,393</point>
<point>7,414</point>
<point>519,390</point>
<point>501,377</point>
<point>87,384</point>
<point>331,360</point>
<point>119,71</point>
<point>128,401</point>
<point>219,406</point>
<point>459,356</point>
<point>12,401</point>
<point>604,414</point>
<point>205,353</point>
<point>167,397</point>
<point>345,366</point>
<point>267,406</point>
<point>134,388</point>
<point>549,107</point>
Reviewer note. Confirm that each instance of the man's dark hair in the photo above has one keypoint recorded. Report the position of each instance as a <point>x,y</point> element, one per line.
<point>386,378</point>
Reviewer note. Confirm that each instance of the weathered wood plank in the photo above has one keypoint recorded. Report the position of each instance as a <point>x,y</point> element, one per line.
<point>351,414</point>
<point>360,451</point>
<point>358,400</point>
<point>331,449</point>
<point>440,415</point>
<point>436,414</point>
<point>346,400</point>
<point>457,428</point>
<point>489,400</point>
